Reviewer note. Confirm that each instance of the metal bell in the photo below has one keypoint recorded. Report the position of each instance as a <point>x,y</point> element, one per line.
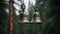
<point>36,18</point>
<point>25,18</point>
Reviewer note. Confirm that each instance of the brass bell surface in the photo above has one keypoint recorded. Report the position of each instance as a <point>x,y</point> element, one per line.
<point>36,18</point>
<point>25,18</point>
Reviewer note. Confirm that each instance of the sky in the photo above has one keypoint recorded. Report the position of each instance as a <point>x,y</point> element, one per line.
<point>26,2</point>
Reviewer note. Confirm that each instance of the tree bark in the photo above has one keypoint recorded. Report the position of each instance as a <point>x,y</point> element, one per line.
<point>11,16</point>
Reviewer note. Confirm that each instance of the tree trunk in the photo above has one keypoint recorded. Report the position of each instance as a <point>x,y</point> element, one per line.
<point>11,16</point>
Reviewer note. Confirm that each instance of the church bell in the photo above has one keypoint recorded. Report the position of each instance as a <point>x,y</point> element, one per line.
<point>25,18</point>
<point>36,18</point>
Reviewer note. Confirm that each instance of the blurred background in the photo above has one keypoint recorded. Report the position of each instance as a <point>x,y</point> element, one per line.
<point>49,11</point>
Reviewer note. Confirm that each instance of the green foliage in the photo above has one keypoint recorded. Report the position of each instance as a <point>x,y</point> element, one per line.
<point>31,10</point>
<point>4,18</point>
<point>49,15</point>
